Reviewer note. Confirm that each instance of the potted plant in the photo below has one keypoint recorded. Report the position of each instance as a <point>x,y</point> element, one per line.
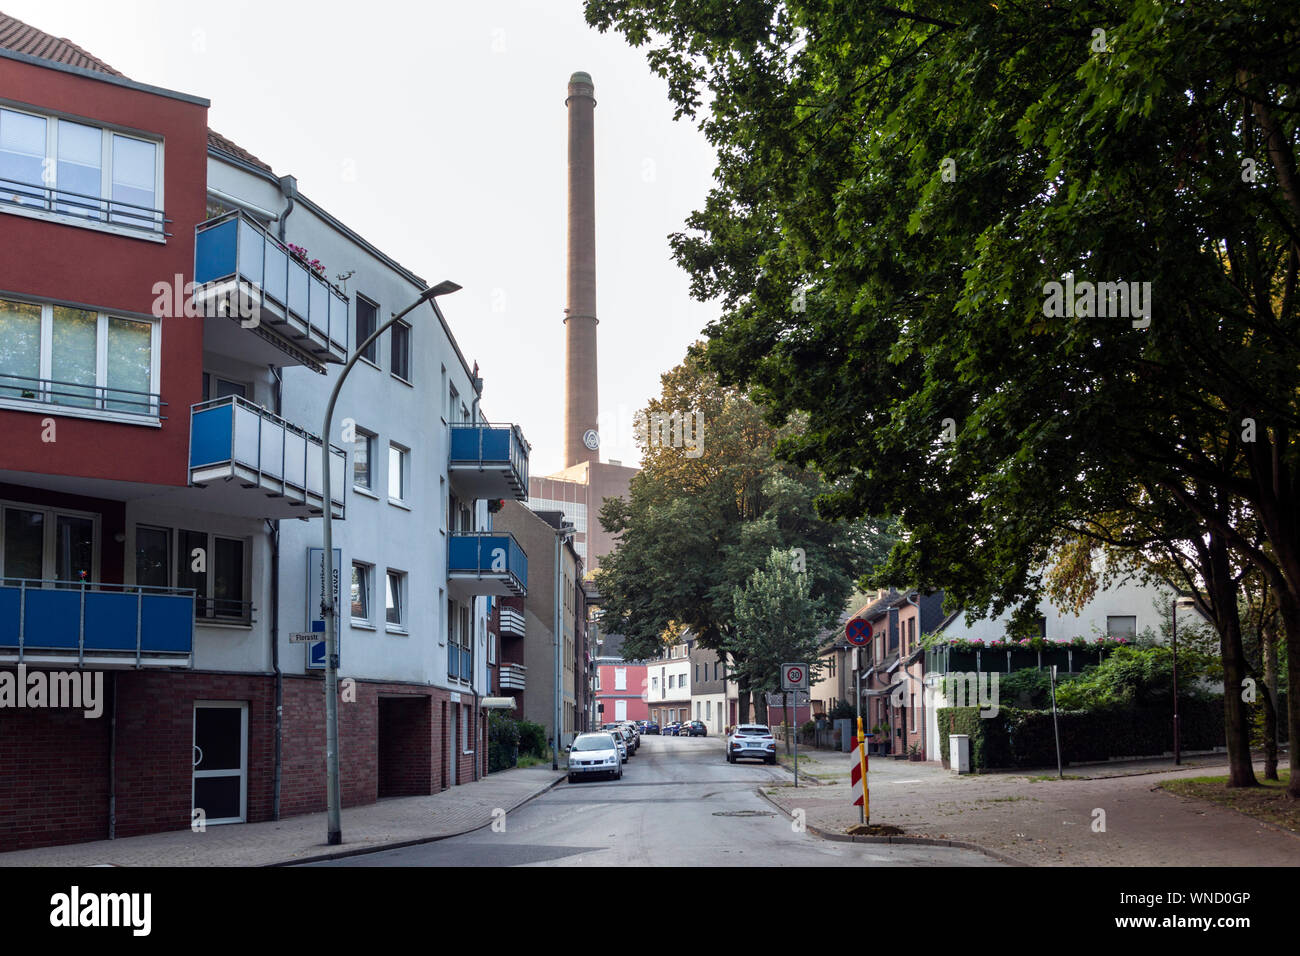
<point>303,256</point>
<point>914,753</point>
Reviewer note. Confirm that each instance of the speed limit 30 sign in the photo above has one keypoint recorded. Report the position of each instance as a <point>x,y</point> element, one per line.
<point>794,676</point>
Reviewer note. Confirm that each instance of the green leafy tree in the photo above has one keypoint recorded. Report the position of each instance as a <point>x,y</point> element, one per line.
<point>776,620</point>
<point>898,191</point>
<point>695,527</point>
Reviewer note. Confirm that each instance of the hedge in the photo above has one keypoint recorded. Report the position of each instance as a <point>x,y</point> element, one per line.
<point>1020,738</point>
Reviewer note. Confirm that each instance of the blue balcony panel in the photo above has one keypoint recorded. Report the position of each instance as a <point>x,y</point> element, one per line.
<point>486,562</point>
<point>252,463</point>
<point>47,622</point>
<point>488,461</point>
<point>238,264</point>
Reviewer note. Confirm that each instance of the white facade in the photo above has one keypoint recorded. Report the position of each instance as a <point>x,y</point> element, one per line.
<point>402,533</point>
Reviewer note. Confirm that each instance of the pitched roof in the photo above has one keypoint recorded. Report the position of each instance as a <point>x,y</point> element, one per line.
<point>23,38</point>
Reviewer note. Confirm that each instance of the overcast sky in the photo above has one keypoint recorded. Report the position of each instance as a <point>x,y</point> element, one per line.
<point>437,131</point>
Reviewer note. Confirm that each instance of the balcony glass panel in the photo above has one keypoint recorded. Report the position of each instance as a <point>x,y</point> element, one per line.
<point>298,295</point>
<point>251,252</point>
<point>97,617</point>
<point>277,272</point>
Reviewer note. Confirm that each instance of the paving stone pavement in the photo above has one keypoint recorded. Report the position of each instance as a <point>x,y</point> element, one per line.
<point>1047,822</point>
<point>396,821</point>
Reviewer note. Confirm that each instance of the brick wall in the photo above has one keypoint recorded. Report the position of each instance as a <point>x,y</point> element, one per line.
<point>54,764</point>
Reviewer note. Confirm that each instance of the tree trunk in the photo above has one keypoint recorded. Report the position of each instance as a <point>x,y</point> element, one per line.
<point>1290,609</point>
<point>1269,635</point>
<point>760,707</point>
<point>1236,721</point>
<point>742,686</point>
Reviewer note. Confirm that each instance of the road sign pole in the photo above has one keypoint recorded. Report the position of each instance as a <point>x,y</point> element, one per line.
<point>795,725</point>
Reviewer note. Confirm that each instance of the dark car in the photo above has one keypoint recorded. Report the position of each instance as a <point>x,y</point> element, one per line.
<point>695,728</point>
<point>650,727</point>
<point>671,730</point>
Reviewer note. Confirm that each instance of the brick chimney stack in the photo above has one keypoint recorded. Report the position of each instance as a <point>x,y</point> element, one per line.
<point>580,395</point>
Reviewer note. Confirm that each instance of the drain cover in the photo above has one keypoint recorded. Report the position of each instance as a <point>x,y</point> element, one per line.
<point>743,813</point>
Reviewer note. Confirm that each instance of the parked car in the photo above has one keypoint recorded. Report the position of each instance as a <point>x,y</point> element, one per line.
<point>636,733</point>
<point>651,728</point>
<point>695,728</point>
<point>624,740</point>
<point>670,730</point>
<point>629,740</point>
<point>751,742</point>
<point>593,754</point>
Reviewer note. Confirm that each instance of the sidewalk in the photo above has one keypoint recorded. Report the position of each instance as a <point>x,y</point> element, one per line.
<point>1045,821</point>
<point>399,821</point>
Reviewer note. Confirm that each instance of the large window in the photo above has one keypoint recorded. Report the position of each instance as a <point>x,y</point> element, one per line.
<point>363,455</point>
<point>215,566</point>
<point>401,351</point>
<point>397,477</point>
<point>393,605</point>
<point>367,322</point>
<point>361,577</point>
<point>1124,626</point>
<point>77,358</point>
<point>79,173</point>
<point>41,544</point>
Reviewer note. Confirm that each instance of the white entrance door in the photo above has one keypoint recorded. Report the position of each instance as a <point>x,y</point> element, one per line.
<point>220,782</point>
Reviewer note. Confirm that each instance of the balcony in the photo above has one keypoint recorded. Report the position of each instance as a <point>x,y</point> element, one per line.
<point>488,461</point>
<point>511,622</point>
<point>514,677</point>
<point>486,562</point>
<point>65,205</point>
<point>257,465</point>
<point>297,313</point>
<point>460,663</point>
<point>93,624</point>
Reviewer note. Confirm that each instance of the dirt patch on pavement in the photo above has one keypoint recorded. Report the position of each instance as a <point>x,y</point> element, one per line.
<point>1268,802</point>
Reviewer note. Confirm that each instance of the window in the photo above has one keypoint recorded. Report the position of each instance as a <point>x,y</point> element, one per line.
<point>1118,626</point>
<point>697,673</point>
<point>453,397</point>
<point>620,678</point>
<point>42,545</point>
<point>654,683</point>
<point>830,666</point>
<point>396,472</point>
<point>217,387</point>
<point>79,173</point>
<point>153,556</point>
<point>492,649</point>
<point>400,364</point>
<point>216,567</point>
<point>78,358</point>
<point>393,591</point>
<point>367,322</point>
<point>363,453</point>
<point>620,710</point>
<point>1042,625</point>
<point>360,592</point>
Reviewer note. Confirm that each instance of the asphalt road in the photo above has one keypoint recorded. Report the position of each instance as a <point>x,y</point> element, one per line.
<point>679,804</point>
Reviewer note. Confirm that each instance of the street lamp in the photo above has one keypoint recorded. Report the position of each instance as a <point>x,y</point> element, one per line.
<point>1180,600</point>
<point>562,533</point>
<point>328,611</point>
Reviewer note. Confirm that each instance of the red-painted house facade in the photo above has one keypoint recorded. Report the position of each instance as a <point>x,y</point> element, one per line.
<point>620,691</point>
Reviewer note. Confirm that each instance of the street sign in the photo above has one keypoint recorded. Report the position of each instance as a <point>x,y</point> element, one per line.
<point>316,597</point>
<point>794,677</point>
<point>858,631</point>
<point>303,637</point>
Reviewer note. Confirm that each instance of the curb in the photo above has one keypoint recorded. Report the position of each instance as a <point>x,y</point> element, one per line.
<point>914,841</point>
<point>418,841</point>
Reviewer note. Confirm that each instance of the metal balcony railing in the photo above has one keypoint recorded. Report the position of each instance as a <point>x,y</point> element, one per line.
<point>66,202</point>
<point>512,622</point>
<point>486,562</point>
<point>40,619</point>
<point>489,461</point>
<point>77,395</point>
<point>230,437</point>
<point>514,677</point>
<point>305,310</point>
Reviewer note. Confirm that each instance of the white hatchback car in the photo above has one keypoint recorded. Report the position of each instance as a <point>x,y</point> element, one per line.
<point>593,754</point>
<point>751,742</point>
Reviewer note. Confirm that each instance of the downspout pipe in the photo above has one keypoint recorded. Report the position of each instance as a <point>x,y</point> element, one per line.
<point>112,765</point>
<point>479,747</point>
<point>273,534</point>
<point>289,190</point>
<point>916,604</point>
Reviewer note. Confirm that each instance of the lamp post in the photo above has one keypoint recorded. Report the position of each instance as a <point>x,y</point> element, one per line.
<point>1179,601</point>
<point>328,611</point>
<point>562,533</point>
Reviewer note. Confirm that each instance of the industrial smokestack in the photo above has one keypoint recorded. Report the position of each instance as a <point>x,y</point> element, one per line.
<point>581,411</point>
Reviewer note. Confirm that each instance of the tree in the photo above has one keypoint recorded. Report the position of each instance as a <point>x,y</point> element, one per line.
<point>695,527</point>
<point>905,204</point>
<point>776,620</point>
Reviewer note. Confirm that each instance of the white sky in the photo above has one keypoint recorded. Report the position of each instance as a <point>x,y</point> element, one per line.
<point>437,130</point>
